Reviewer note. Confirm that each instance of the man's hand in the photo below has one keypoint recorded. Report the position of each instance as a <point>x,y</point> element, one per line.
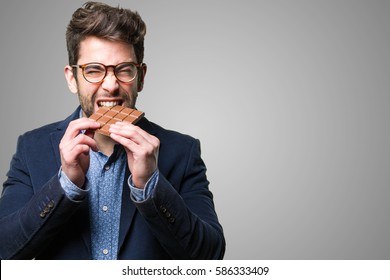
<point>74,149</point>
<point>141,148</point>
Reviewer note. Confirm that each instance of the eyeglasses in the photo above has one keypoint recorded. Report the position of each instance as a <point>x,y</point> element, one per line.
<point>96,72</point>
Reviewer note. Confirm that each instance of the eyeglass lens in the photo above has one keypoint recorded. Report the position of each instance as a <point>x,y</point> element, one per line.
<point>124,72</point>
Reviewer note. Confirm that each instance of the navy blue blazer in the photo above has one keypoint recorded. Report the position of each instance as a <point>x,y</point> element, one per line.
<point>37,220</point>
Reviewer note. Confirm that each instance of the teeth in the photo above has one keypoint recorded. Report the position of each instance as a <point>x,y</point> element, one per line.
<point>108,103</point>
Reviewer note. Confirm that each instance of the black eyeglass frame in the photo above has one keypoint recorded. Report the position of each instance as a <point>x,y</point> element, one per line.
<point>115,67</point>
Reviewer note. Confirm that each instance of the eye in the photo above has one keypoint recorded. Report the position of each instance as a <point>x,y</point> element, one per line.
<point>126,69</point>
<point>94,70</point>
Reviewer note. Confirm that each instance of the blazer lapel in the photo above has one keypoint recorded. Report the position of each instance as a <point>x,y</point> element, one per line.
<point>127,211</point>
<point>55,140</point>
<point>83,212</point>
<point>128,208</point>
<point>57,135</point>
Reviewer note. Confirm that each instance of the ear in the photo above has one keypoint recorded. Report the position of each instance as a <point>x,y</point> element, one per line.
<point>141,76</point>
<point>71,79</point>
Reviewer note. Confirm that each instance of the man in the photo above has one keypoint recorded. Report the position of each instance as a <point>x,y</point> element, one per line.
<point>140,193</point>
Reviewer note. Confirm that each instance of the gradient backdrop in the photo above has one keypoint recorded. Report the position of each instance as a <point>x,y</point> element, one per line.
<point>290,100</point>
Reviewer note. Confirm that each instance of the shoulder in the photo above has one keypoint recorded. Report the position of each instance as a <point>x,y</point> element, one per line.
<point>174,146</point>
<point>170,137</point>
<point>45,131</point>
<point>178,154</point>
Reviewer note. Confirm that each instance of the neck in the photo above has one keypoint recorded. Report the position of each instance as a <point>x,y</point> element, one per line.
<point>105,144</point>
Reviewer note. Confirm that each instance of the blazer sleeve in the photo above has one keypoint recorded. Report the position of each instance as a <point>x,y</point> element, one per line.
<point>30,216</point>
<point>183,217</point>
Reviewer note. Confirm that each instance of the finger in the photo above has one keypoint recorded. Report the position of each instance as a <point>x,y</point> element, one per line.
<point>134,133</point>
<point>81,149</point>
<point>150,138</point>
<point>83,139</point>
<point>128,131</point>
<point>78,125</point>
<point>72,149</point>
<point>125,142</point>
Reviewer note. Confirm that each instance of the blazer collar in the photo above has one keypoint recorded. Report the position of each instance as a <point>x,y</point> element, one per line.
<point>57,135</point>
<point>64,124</point>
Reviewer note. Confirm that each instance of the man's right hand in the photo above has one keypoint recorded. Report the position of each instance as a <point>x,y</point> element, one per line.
<point>74,149</point>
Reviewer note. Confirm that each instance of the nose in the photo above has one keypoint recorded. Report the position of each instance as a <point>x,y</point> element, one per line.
<point>110,82</point>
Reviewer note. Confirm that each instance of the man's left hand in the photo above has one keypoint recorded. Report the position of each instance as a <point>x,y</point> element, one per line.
<point>141,148</point>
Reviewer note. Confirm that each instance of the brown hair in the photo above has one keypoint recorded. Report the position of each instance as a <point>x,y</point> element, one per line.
<point>103,21</point>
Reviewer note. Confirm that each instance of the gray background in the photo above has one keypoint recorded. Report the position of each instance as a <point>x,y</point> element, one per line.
<point>290,100</point>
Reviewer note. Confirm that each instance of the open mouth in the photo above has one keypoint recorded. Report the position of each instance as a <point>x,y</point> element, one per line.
<point>109,103</point>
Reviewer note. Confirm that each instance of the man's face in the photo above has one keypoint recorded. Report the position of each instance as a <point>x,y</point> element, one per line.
<point>110,91</point>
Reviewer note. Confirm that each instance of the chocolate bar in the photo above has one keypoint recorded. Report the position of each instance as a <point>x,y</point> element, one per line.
<point>107,116</point>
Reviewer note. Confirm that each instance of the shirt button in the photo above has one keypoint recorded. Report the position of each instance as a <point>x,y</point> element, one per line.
<point>107,167</point>
<point>105,251</point>
<point>105,208</point>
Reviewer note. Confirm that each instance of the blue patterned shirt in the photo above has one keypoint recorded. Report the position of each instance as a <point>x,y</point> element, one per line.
<point>105,181</point>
